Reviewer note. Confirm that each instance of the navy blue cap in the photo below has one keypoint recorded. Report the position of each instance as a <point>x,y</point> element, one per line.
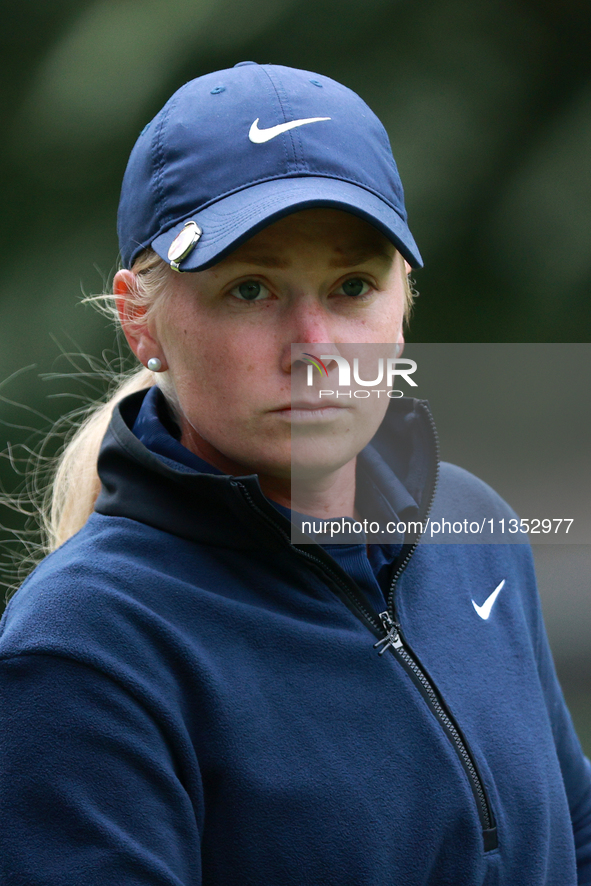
<point>236,150</point>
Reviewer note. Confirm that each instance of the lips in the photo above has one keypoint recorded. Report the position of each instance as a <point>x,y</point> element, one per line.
<point>311,405</point>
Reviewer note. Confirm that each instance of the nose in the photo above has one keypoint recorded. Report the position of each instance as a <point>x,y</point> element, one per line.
<point>306,323</point>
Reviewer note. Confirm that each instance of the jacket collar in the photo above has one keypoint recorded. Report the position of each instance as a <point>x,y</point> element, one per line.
<point>139,485</point>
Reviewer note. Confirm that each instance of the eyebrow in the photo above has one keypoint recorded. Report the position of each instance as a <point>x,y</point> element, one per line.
<point>264,261</point>
<point>345,259</point>
<point>360,255</point>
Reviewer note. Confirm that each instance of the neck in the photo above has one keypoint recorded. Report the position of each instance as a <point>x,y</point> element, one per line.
<point>332,495</point>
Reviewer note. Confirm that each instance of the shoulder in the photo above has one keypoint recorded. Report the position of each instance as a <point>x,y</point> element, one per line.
<point>471,516</point>
<point>462,495</point>
<point>96,598</point>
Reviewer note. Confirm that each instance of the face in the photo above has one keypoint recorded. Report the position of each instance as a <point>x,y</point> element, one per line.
<point>225,339</point>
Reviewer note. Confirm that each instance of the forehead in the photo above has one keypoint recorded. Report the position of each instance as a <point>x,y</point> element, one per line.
<point>340,239</point>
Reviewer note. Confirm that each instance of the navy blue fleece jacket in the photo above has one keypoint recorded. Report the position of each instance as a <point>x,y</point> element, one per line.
<point>188,697</point>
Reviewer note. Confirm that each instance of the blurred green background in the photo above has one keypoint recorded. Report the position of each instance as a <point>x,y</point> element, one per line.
<point>488,107</point>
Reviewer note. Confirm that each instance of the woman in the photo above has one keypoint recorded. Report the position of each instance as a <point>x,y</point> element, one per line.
<point>190,696</point>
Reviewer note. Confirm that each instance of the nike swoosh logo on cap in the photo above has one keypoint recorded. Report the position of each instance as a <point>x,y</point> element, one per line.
<point>485,610</point>
<point>260,136</point>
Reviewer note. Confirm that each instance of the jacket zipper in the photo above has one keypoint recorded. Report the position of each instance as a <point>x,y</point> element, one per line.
<point>394,640</point>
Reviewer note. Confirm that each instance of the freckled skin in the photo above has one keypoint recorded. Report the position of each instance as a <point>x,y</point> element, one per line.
<point>230,359</point>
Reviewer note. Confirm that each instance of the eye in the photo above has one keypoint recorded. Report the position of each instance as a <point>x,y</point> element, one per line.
<point>250,290</point>
<point>354,287</point>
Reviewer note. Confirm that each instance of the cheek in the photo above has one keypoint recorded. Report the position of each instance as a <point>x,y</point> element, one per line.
<point>214,372</point>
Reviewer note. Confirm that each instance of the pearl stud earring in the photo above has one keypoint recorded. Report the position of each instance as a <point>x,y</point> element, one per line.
<point>154,364</point>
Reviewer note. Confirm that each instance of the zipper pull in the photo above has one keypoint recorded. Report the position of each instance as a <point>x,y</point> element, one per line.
<point>392,637</point>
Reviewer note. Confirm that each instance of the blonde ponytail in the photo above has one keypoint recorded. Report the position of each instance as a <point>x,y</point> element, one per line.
<point>76,484</point>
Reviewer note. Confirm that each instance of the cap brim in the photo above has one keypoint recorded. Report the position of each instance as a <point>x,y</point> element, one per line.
<point>235,218</point>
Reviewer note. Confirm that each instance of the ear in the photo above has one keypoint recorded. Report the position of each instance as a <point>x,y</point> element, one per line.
<point>137,330</point>
<point>407,267</point>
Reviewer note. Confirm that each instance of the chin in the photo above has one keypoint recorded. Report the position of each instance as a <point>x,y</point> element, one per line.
<point>315,467</point>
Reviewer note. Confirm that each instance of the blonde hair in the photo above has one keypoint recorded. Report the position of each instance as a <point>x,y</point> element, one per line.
<point>72,485</point>
<point>75,485</point>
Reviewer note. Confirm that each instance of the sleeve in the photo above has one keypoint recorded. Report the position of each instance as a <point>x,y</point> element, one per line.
<point>576,768</point>
<point>89,793</point>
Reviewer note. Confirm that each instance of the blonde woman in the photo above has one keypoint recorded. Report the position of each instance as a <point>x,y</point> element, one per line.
<point>192,697</point>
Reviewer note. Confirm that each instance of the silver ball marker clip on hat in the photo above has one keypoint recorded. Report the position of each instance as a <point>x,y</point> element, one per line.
<point>183,244</point>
